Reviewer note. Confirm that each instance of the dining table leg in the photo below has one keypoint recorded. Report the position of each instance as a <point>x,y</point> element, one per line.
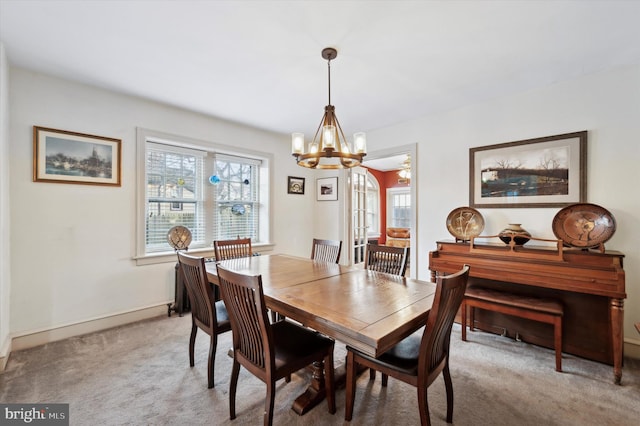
<point>315,393</point>
<point>316,390</point>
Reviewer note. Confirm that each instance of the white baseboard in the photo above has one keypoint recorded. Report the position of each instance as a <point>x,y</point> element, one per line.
<point>5,350</point>
<point>632,348</point>
<point>51,335</point>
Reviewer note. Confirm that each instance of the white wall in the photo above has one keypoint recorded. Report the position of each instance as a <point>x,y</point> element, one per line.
<point>80,237</point>
<point>5,269</point>
<point>72,245</point>
<point>606,104</point>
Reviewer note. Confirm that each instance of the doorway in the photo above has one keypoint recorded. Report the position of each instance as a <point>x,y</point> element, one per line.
<point>380,168</point>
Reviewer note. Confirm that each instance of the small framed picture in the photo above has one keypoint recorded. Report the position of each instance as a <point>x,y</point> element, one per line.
<point>295,185</point>
<point>175,206</point>
<point>327,189</point>
<point>69,157</point>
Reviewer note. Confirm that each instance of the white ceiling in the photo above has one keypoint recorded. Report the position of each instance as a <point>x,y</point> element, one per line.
<point>259,62</point>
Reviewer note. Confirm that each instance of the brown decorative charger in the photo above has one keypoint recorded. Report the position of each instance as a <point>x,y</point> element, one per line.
<point>584,225</point>
<point>464,223</point>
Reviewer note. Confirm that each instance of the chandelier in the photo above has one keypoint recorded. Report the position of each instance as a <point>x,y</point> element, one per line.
<point>405,171</point>
<point>329,148</point>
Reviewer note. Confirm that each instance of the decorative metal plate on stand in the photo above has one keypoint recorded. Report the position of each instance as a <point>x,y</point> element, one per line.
<point>464,223</point>
<point>179,237</point>
<point>584,226</point>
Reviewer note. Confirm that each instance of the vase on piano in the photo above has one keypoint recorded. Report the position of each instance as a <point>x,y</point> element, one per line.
<point>516,232</point>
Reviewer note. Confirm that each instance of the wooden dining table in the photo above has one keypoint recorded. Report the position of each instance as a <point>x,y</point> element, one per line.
<point>370,311</point>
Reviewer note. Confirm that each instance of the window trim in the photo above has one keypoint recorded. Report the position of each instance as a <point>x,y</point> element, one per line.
<point>178,142</point>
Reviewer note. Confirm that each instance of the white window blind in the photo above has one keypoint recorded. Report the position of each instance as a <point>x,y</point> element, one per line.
<point>236,199</point>
<point>174,194</point>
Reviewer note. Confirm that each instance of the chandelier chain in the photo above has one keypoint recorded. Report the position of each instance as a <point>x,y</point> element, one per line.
<point>329,78</point>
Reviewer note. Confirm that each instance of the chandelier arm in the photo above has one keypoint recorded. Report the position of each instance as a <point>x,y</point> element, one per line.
<point>318,129</point>
<point>335,117</point>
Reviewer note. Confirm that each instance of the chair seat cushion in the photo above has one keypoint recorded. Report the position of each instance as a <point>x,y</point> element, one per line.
<point>402,357</point>
<point>222,316</point>
<point>293,342</point>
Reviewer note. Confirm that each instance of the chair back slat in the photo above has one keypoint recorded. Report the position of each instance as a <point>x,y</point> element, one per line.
<point>232,249</point>
<point>244,299</point>
<point>199,290</point>
<point>391,260</point>
<point>326,250</point>
<point>434,347</point>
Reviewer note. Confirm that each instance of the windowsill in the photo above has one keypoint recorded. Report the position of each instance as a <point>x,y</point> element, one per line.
<point>166,257</point>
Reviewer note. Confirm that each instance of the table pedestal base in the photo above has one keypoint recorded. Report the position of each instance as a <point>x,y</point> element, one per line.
<point>316,392</point>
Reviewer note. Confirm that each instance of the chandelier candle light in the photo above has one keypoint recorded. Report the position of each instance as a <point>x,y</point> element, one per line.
<point>330,150</point>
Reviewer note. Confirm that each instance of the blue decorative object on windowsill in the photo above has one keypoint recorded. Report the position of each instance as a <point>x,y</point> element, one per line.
<point>214,179</point>
<point>246,181</point>
<point>238,209</point>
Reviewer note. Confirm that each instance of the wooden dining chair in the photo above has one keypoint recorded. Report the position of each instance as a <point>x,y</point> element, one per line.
<point>420,358</point>
<point>392,260</point>
<point>326,250</point>
<point>206,314</point>
<point>232,249</point>
<point>270,351</point>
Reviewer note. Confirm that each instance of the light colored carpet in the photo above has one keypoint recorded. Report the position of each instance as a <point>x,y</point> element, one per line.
<point>139,374</point>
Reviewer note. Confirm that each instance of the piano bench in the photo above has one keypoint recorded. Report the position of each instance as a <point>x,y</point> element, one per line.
<point>549,311</point>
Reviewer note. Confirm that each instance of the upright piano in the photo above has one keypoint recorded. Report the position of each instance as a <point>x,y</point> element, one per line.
<point>589,283</point>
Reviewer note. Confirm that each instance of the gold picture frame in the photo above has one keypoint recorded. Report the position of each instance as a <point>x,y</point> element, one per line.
<point>61,156</point>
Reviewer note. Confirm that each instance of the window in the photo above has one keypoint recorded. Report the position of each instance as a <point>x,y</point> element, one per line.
<point>399,207</point>
<point>237,205</point>
<point>216,192</point>
<point>174,194</point>
<point>373,206</point>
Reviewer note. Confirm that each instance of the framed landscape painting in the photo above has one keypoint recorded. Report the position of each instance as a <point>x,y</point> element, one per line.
<point>327,189</point>
<point>544,172</point>
<point>69,157</point>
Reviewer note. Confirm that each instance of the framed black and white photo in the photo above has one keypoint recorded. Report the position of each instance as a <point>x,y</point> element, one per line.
<point>327,189</point>
<point>295,185</point>
<point>544,172</point>
<point>68,157</point>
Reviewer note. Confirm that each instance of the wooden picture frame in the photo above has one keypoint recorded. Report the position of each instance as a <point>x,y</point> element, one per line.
<point>544,172</point>
<point>295,185</point>
<point>61,156</point>
<point>327,189</point>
